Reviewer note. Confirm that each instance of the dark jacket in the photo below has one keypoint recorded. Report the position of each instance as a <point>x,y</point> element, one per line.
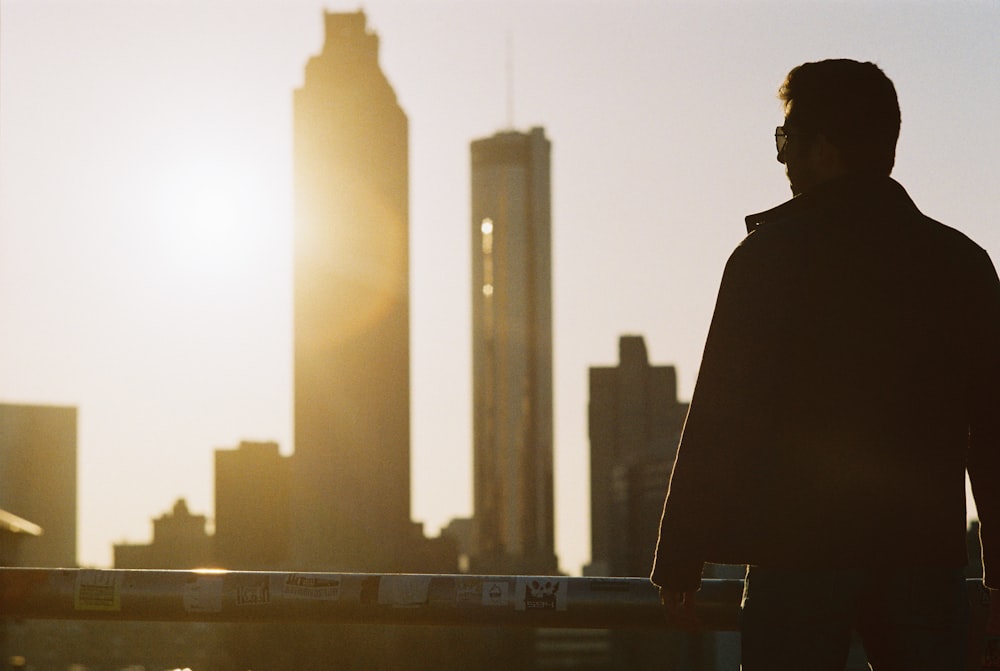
<point>850,376</point>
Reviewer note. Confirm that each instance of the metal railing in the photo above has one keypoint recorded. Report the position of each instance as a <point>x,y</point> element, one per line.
<point>545,602</point>
<point>251,596</point>
<point>258,596</point>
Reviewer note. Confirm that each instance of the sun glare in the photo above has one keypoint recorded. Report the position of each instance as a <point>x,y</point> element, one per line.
<point>209,217</point>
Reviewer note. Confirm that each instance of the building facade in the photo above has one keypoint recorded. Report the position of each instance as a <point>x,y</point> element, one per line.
<point>252,507</point>
<point>512,353</point>
<point>180,542</point>
<point>635,422</point>
<point>38,479</point>
<point>351,465</point>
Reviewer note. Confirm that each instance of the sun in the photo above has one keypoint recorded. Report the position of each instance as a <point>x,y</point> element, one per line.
<point>211,216</point>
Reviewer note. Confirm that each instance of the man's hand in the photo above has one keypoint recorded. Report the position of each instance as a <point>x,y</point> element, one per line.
<point>993,621</point>
<point>680,610</point>
<point>991,647</point>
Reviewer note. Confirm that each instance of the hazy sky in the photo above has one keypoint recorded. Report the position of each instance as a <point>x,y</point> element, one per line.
<point>145,207</point>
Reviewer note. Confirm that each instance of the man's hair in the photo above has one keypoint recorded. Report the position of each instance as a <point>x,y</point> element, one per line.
<point>853,104</point>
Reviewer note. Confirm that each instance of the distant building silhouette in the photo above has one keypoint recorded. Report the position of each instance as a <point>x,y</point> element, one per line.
<point>180,541</point>
<point>635,422</point>
<point>512,354</point>
<point>351,466</point>
<point>38,479</point>
<point>460,530</point>
<point>252,513</point>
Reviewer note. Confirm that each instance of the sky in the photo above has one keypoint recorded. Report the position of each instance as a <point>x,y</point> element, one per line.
<point>145,204</point>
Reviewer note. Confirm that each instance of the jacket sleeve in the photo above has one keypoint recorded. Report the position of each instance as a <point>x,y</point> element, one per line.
<point>984,430</point>
<point>729,396</point>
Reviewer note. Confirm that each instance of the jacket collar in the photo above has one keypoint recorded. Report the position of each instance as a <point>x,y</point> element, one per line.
<point>833,194</point>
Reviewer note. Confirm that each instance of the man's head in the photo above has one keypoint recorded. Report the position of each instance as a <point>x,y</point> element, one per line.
<point>841,116</point>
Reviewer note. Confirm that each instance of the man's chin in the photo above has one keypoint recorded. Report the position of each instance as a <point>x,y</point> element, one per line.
<point>795,185</point>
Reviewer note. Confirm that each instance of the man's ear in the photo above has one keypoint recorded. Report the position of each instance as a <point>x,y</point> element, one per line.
<point>826,157</point>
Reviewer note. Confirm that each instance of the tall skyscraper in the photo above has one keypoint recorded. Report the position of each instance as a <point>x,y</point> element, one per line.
<point>351,484</point>
<point>38,479</point>
<point>512,353</point>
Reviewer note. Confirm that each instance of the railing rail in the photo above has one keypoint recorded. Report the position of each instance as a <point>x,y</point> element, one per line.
<point>252,596</point>
<point>550,602</point>
<point>258,596</point>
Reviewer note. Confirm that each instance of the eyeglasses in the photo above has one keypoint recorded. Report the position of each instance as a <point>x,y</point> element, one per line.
<point>781,136</point>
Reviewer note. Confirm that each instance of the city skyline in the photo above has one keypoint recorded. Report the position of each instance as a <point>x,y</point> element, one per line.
<point>173,337</point>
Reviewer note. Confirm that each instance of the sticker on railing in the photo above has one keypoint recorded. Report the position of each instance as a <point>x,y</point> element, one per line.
<point>468,591</point>
<point>256,592</point>
<point>540,594</point>
<point>482,592</point>
<point>321,587</point>
<point>97,590</point>
<point>204,595</point>
<point>496,593</point>
<point>404,591</point>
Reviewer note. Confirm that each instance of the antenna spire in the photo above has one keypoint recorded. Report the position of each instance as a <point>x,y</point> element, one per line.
<point>510,80</point>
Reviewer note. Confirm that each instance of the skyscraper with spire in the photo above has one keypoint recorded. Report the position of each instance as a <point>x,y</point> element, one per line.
<point>351,467</point>
<point>512,354</point>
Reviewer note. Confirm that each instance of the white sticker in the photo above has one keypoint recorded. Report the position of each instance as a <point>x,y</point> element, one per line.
<point>496,593</point>
<point>468,591</point>
<point>323,587</point>
<point>97,590</point>
<point>204,595</point>
<point>254,593</point>
<point>404,590</point>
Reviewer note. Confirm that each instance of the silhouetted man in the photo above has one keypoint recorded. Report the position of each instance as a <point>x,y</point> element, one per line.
<point>850,377</point>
